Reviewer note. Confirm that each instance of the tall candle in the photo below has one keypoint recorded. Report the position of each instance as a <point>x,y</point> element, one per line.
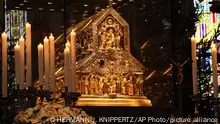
<point>22,63</point>
<point>28,53</point>
<point>52,63</point>
<point>214,70</point>
<point>194,65</point>
<point>17,64</point>
<point>46,63</point>
<point>67,68</point>
<point>73,59</point>
<point>41,64</point>
<point>4,65</point>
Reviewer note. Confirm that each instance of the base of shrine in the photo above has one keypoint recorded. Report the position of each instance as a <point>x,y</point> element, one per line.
<point>119,100</point>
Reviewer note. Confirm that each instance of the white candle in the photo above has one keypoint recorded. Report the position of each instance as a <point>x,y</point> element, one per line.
<point>46,63</point>
<point>28,55</point>
<point>52,63</point>
<point>22,63</point>
<point>67,67</point>
<point>17,65</point>
<point>41,64</point>
<point>73,59</point>
<point>214,70</point>
<point>4,65</point>
<point>194,66</point>
<point>67,44</point>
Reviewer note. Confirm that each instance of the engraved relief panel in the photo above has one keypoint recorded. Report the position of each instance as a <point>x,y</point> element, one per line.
<point>110,34</point>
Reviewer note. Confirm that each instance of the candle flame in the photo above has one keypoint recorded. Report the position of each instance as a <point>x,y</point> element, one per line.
<point>28,24</point>
<point>4,34</point>
<point>45,37</point>
<point>73,32</point>
<point>193,37</point>
<point>21,37</point>
<point>213,45</point>
<point>51,34</point>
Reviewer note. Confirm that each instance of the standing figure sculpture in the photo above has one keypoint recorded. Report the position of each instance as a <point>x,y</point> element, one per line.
<point>118,34</point>
<point>123,87</point>
<point>87,85</point>
<point>91,83</point>
<point>138,86</point>
<point>103,39</point>
<point>105,86</point>
<point>95,85</point>
<point>118,85</point>
<point>130,86</point>
<point>101,84</point>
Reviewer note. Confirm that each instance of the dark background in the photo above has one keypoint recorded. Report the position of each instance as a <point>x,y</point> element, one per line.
<point>165,25</point>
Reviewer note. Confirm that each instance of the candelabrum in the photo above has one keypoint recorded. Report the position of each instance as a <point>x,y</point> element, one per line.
<point>4,102</point>
<point>18,100</point>
<point>70,97</point>
<point>24,98</point>
<point>44,94</point>
<point>213,105</point>
<point>216,107</point>
<point>196,99</point>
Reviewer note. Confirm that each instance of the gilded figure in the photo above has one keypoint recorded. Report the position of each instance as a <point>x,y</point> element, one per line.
<point>87,85</point>
<point>101,84</point>
<point>123,87</point>
<point>130,85</point>
<point>91,83</point>
<point>95,88</point>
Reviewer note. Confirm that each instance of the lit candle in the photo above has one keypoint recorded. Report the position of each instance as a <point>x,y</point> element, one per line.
<point>4,65</point>
<point>194,65</point>
<point>214,70</point>
<point>46,63</point>
<point>17,65</point>
<point>22,63</point>
<point>52,63</point>
<point>41,64</point>
<point>67,68</point>
<point>28,55</point>
<point>73,59</point>
<point>67,44</point>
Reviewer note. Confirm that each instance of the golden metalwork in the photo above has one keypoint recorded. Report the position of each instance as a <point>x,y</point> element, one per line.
<point>106,67</point>
<point>110,34</point>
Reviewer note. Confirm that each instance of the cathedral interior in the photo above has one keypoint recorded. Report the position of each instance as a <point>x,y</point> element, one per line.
<point>130,54</point>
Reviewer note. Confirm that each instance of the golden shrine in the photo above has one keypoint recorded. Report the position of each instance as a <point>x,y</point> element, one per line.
<point>107,74</point>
